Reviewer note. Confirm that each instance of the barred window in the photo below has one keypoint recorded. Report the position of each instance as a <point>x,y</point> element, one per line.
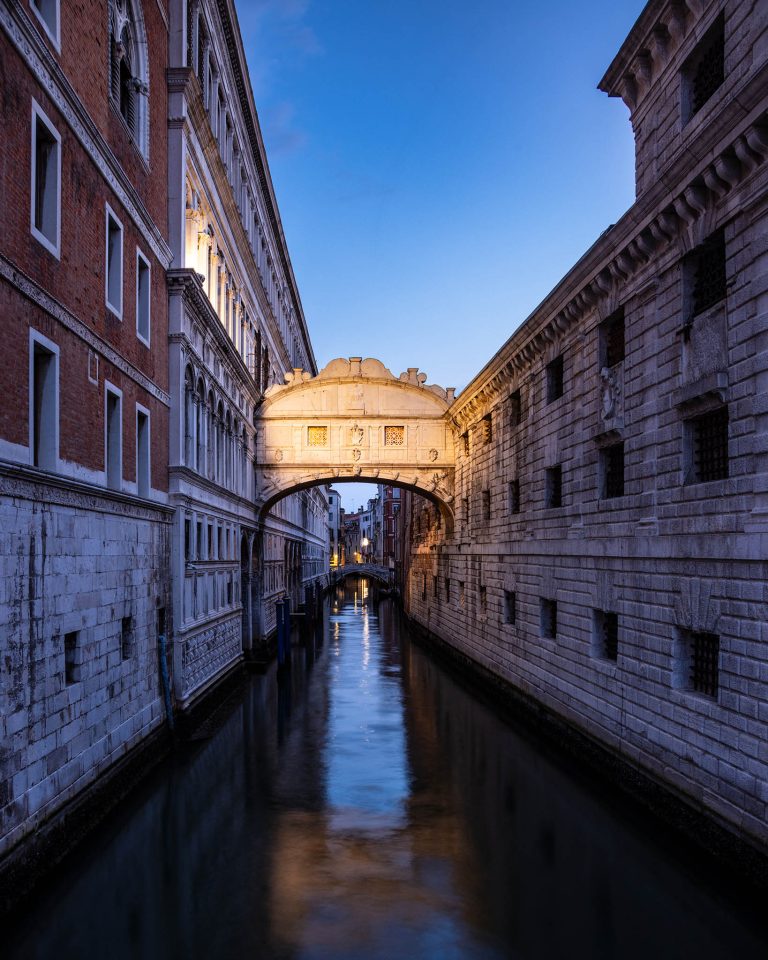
<point>483,593</point>
<point>394,436</point>
<point>707,272</point>
<point>486,502</point>
<point>447,589</point>
<point>708,446</point>
<point>699,666</point>
<point>553,491</point>
<point>554,379</point>
<point>705,69</point>
<point>317,436</point>
<point>548,617</point>
<point>465,443</point>
<point>487,428</point>
<point>606,634</point>
<point>612,470</point>
<point>612,339</point>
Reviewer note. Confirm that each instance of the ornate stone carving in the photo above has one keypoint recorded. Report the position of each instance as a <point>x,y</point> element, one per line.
<point>610,393</point>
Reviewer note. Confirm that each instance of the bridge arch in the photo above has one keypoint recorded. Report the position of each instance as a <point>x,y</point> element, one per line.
<point>356,422</point>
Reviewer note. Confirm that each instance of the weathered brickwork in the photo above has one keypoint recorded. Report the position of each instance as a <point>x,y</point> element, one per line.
<point>611,533</point>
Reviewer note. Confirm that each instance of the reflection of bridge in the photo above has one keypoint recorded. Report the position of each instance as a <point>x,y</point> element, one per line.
<point>372,570</point>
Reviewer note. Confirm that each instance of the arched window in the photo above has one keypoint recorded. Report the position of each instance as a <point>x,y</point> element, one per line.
<point>210,435</point>
<point>129,68</point>
<point>189,418</point>
<point>202,434</point>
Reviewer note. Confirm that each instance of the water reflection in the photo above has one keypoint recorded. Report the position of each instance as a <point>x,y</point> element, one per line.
<point>363,805</point>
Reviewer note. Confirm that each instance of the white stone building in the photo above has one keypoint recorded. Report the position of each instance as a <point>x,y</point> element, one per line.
<point>236,325</point>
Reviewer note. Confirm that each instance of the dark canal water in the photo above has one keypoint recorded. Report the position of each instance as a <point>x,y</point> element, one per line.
<point>369,807</point>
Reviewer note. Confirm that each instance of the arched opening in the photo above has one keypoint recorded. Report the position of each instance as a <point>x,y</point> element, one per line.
<point>129,68</point>
<point>189,418</point>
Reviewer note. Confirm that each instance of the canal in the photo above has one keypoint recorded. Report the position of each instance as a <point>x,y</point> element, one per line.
<point>365,805</point>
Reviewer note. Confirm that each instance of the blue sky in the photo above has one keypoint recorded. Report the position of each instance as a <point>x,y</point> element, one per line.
<point>438,166</point>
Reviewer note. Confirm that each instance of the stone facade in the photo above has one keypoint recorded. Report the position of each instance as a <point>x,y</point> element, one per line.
<point>611,460</point>
<point>236,325</point>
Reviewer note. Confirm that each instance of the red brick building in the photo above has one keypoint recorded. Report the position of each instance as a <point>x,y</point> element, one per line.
<point>84,541</point>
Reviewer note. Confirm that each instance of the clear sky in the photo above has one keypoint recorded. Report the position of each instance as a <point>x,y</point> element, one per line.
<point>438,165</point>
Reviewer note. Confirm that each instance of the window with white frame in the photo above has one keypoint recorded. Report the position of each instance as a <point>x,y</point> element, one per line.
<point>43,402</point>
<point>47,12</point>
<point>114,264</point>
<point>113,436</point>
<point>143,469</point>
<point>46,181</point>
<point>143,296</point>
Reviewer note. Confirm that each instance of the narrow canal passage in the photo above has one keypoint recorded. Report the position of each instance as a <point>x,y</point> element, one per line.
<point>366,806</point>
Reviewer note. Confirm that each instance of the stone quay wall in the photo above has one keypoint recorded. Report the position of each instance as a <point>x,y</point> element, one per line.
<point>609,553</point>
<point>85,588</point>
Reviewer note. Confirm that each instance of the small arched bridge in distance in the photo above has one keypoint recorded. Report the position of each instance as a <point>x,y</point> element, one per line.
<point>356,422</point>
<point>373,570</point>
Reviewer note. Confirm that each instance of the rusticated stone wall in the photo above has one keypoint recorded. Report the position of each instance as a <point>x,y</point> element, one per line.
<point>603,599</point>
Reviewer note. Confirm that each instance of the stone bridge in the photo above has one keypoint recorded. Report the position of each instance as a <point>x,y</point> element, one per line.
<point>356,421</point>
<point>373,570</point>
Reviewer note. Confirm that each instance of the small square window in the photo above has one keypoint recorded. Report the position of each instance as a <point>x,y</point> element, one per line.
<point>548,617</point>
<point>487,423</point>
<point>605,634</point>
<point>612,468</point>
<point>143,297</point>
<point>46,182</point>
<point>394,436</point>
<point>317,436</point>
<point>697,666</point>
<point>513,489</point>
<point>486,504</point>
<point>707,446</point>
<point>553,491</point>
<point>114,264</point>
<point>71,657</point>
<point>554,379</point>
<point>510,606</point>
<point>612,344</point>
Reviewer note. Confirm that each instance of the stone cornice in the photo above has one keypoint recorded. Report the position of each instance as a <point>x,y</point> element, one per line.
<point>233,42</point>
<point>657,35</point>
<point>33,50</point>
<point>650,226</point>
<point>28,483</point>
<point>32,291</point>
<point>189,284</point>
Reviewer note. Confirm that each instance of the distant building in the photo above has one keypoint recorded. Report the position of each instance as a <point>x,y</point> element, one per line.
<point>335,538</point>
